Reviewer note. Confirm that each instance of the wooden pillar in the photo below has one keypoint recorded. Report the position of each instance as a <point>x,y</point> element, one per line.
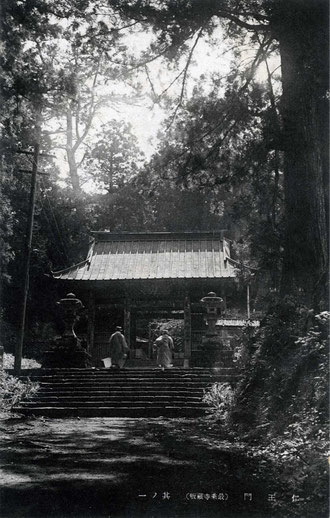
<point>187,332</point>
<point>133,329</point>
<point>127,322</point>
<point>91,323</point>
<point>150,341</point>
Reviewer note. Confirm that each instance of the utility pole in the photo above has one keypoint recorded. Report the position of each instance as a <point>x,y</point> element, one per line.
<point>27,249</point>
<point>28,246</point>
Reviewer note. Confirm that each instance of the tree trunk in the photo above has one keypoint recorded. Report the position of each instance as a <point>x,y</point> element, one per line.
<point>302,34</point>
<point>111,173</point>
<point>73,169</point>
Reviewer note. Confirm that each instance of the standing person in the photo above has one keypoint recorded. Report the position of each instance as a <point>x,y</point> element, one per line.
<point>118,348</point>
<point>165,347</point>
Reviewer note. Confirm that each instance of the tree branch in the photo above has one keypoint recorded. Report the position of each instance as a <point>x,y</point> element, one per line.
<point>91,114</point>
<point>82,160</point>
<point>185,72</point>
<point>250,75</point>
<point>151,83</point>
<point>241,23</point>
<point>264,45</point>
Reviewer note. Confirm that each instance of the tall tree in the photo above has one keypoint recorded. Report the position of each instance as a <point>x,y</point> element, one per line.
<point>115,157</point>
<point>300,28</point>
<point>234,166</point>
<point>89,78</point>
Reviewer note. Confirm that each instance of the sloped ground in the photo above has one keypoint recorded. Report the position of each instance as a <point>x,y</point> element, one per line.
<point>115,467</point>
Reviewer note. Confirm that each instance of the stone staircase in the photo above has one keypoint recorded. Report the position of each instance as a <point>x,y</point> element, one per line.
<point>139,392</point>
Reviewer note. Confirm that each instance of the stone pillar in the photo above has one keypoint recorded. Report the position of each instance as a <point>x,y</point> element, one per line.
<point>91,323</point>
<point>187,332</point>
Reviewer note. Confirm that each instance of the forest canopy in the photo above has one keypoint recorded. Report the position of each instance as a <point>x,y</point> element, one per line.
<point>237,95</point>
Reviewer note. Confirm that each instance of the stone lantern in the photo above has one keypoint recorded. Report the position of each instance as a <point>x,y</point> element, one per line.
<point>69,308</point>
<point>211,343</point>
<point>213,305</point>
<point>67,351</point>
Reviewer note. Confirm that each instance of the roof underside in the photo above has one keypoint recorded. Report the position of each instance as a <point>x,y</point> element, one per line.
<point>153,256</point>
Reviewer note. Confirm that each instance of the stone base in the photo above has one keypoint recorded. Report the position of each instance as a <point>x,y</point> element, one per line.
<point>65,353</point>
<point>213,354</point>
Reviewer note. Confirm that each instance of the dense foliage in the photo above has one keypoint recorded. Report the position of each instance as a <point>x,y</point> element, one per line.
<point>280,406</point>
<point>299,31</point>
<point>285,373</point>
<point>241,152</point>
<point>11,388</point>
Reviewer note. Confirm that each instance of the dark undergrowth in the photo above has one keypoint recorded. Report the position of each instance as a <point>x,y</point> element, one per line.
<point>12,389</point>
<point>280,406</point>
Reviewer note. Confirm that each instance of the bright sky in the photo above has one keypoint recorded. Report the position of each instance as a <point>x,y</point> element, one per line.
<point>145,116</point>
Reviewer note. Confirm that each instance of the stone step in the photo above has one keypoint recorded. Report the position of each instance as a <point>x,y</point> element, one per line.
<point>105,403</point>
<point>94,369</point>
<point>124,376</point>
<point>127,372</point>
<point>106,399</point>
<point>134,382</point>
<point>111,411</point>
<point>119,393</point>
<point>124,393</point>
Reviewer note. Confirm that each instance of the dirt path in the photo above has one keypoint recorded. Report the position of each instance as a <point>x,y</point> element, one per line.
<point>126,468</point>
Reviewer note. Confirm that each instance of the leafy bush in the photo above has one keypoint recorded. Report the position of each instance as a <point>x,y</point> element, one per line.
<point>12,391</point>
<point>219,397</point>
<point>285,373</point>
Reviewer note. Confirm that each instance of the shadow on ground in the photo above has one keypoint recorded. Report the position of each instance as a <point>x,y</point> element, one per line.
<point>125,468</point>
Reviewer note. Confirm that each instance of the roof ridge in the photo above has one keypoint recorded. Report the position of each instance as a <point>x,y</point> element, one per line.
<point>130,236</point>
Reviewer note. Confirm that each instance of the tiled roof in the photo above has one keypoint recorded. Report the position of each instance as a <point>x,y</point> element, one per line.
<point>152,256</point>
